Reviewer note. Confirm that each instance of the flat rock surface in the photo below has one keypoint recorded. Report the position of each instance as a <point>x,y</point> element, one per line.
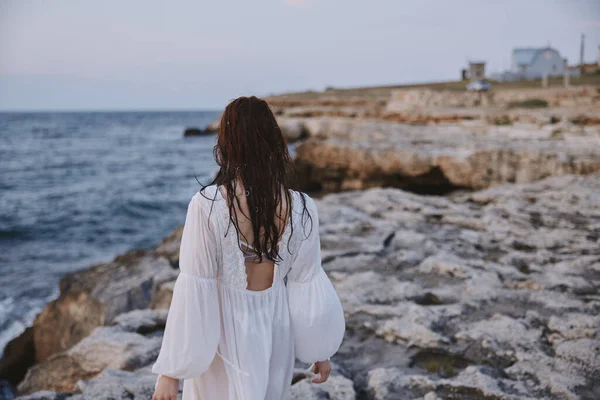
<point>485,295</point>
<point>481,295</point>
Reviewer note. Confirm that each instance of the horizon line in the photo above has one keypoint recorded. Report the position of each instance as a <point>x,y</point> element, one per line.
<point>99,110</point>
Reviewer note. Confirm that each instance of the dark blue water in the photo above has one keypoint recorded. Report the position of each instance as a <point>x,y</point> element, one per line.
<point>79,188</point>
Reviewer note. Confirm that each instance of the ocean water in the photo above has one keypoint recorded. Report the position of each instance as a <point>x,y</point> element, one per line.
<point>77,189</point>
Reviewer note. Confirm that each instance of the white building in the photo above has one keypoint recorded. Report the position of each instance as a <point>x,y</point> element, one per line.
<point>534,63</point>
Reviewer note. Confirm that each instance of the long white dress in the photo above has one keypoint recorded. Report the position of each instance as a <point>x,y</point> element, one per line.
<point>227,342</point>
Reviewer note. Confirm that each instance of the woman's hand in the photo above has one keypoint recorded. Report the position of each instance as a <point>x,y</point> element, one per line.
<point>322,368</point>
<point>166,388</point>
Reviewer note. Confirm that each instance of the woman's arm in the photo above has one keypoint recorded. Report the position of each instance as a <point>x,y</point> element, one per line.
<point>192,329</point>
<point>317,317</point>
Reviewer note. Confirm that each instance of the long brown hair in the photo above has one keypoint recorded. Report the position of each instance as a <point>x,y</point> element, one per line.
<point>251,148</point>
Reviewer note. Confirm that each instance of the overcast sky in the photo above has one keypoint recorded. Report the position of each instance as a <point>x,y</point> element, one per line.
<point>134,54</point>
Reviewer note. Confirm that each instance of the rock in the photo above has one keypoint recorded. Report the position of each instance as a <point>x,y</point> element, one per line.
<point>409,333</point>
<point>19,354</point>
<point>472,383</point>
<point>388,384</point>
<point>46,395</point>
<point>347,154</point>
<point>106,347</point>
<point>213,127</point>
<point>142,321</point>
<point>585,352</point>
<point>163,296</point>
<point>118,385</point>
<point>476,295</point>
<point>109,384</point>
<point>435,104</point>
<point>196,132</point>
<point>293,129</point>
<point>574,326</point>
<point>440,282</point>
<point>336,387</point>
<point>95,296</point>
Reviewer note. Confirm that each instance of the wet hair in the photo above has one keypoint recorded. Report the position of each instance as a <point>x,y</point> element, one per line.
<point>251,148</point>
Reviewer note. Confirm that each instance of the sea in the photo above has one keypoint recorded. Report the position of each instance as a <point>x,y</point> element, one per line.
<point>77,189</point>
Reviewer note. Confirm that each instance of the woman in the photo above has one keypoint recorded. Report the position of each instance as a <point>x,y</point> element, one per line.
<point>251,293</point>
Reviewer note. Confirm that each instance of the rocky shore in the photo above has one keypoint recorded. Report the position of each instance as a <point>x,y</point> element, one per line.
<point>480,295</point>
<point>343,154</point>
<point>462,235</point>
<point>437,141</point>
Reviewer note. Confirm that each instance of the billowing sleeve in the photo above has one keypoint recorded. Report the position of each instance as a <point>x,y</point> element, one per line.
<point>317,317</point>
<point>193,323</point>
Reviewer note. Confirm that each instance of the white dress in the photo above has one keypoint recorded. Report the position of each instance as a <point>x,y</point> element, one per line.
<point>227,342</point>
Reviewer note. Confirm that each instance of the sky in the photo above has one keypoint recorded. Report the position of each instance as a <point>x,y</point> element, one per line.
<point>199,54</point>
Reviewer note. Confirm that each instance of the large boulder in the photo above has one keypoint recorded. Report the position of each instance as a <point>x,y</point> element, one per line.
<point>113,384</point>
<point>93,297</point>
<point>193,132</point>
<point>293,129</point>
<point>127,345</point>
<point>18,356</point>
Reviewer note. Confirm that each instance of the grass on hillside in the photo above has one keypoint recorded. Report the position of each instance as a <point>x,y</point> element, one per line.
<point>529,103</point>
<point>384,91</point>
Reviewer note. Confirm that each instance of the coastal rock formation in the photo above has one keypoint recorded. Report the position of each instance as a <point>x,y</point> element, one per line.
<point>128,344</point>
<point>18,356</point>
<point>291,128</point>
<point>444,103</point>
<point>213,127</point>
<point>494,292</point>
<point>106,347</point>
<point>193,132</point>
<point>344,154</point>
<point>418,99</point>
<point>95,296</point>
<point>485,295</point>
<point>92,298</point>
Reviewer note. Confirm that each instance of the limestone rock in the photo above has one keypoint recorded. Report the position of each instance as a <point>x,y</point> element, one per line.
<point>293,129</point>
<point>93,297</point>
<point>19,354</point>
<point>345,154</point>
<point>477,295</point>
<point>336,387</point>
<point>195,132</point>
<point>106,347</point>
<point>118,385</point>
<point>142,321</point>
<point>213,127</point>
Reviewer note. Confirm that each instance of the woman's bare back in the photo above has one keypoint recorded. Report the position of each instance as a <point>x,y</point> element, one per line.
<point>259,274</point>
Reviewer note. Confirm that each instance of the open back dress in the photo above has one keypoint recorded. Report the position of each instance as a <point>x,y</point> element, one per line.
<point>228,342</point>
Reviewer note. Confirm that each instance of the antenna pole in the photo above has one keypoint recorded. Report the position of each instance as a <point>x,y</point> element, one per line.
<point>581,54</point>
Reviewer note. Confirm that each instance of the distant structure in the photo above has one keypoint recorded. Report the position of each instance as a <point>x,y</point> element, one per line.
<point>476,70</point>
<point>581,56</point>
<point>535,63</point>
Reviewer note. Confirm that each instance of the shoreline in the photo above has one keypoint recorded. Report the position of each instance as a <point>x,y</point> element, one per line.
<point>418,286</point>
<point>490,291</point>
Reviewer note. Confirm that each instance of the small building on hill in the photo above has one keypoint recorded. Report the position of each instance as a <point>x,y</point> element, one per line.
<point>537,62</point>
<point>476,70</point>
<point>534,63</point>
